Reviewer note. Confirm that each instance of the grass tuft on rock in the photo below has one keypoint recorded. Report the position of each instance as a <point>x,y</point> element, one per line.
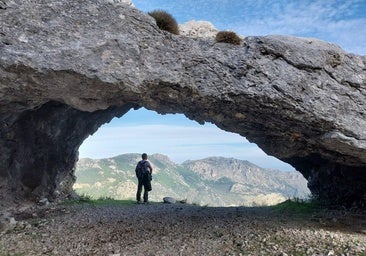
<point>228,37</point>
<point>165,21</point>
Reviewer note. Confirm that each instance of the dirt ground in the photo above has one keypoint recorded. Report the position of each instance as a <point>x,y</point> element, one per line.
<point>181,229</point>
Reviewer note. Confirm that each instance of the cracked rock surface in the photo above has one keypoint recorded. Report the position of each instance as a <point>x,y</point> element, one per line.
<point>67,67</point>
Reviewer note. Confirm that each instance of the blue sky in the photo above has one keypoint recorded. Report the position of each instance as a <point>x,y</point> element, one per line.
<point>339,22</point>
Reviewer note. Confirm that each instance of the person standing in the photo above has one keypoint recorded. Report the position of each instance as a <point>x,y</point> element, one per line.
<point>143,172</point>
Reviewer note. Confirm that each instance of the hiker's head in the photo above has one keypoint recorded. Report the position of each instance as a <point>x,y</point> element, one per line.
<point>144,156</point>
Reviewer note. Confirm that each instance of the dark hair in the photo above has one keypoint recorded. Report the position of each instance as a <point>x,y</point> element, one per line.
<point>165,21</point>
<point>144,156</point>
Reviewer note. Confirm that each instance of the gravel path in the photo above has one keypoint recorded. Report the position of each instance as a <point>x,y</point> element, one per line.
<point>179,229</point>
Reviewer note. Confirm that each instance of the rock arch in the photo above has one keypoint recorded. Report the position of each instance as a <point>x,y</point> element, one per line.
<point>68,67</point>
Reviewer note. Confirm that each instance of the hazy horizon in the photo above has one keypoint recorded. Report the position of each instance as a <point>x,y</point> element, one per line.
<point>175,136</point>
<point>181,162</point>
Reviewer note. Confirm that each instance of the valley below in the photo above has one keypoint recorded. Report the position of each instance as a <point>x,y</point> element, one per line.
<point>214,181</point>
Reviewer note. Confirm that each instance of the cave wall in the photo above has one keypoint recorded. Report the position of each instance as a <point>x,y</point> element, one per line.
<point>67,67</point>
<point>40,149</point>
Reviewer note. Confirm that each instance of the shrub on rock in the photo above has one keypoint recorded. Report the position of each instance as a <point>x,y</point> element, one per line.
<point>228,37</point>
<point>165,21</point>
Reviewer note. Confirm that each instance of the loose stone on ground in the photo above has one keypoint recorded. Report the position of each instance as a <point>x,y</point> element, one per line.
<point>182,229</point>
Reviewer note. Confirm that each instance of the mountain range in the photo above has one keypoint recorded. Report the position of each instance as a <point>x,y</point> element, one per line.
<point>213,181</point>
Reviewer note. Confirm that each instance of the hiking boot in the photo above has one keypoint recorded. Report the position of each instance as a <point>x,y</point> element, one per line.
<point>146,202</point>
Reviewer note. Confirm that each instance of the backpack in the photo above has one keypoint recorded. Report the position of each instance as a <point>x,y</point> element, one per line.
<point>141,169</point>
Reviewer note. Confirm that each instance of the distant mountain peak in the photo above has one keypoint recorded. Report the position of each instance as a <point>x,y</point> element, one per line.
<point>216,181</point>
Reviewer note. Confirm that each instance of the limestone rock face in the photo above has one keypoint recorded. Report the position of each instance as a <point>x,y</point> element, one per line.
<point>198,29</point>
<point>129,2</point>
<point>67,67</point>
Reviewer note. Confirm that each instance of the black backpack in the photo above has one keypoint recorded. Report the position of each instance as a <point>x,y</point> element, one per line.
<point>141,169</point>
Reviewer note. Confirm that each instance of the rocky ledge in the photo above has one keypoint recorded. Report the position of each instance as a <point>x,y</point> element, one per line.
<point>67,67</point>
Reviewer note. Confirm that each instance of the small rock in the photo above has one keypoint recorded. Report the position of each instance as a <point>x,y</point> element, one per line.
<point>12,221</point>
<point>7,223</point>
<point>43,201</point>
<point>169,200</point>
<point>183,201</point>
<point>330,253</point>
<point>6,215</point>
<point>358,248</point>
<point>3,227</point>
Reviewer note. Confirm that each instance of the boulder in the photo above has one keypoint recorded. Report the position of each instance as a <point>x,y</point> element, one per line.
<point>67,67</point>
<point>198,29</point>
<point>169,200</point>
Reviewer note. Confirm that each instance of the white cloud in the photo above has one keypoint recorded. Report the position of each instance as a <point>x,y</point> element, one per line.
<point>332,21</point>
<point>349,35</point>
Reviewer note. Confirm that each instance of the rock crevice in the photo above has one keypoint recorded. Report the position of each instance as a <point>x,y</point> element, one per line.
<point>68,67</point>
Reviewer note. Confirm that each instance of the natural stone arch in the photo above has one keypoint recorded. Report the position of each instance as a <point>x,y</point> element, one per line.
<point>68,67</point>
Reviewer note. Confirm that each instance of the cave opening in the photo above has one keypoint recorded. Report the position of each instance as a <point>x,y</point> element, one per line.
<point>193,162</point>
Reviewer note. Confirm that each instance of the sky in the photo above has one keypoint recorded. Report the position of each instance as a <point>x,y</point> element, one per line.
<point>138,131</point>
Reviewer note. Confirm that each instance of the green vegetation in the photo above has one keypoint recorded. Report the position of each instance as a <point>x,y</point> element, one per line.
<point>228,37</point>
<point>165,21</point>
<point>297,206</point>
<point>86,199</point>
<point>89,175</point>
